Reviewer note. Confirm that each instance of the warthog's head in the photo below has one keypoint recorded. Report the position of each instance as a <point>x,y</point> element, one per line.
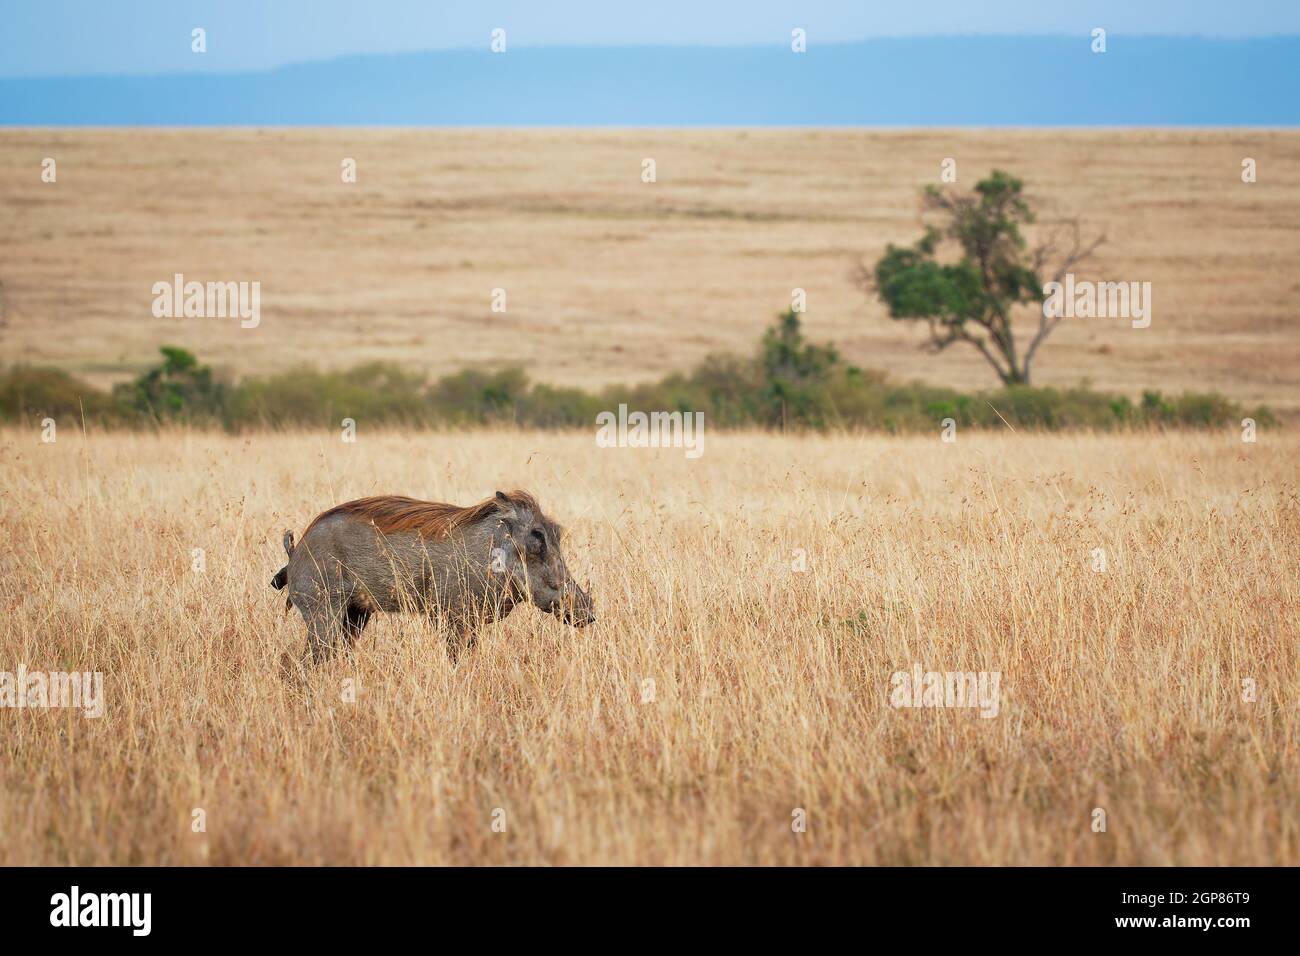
<point>527,550</point>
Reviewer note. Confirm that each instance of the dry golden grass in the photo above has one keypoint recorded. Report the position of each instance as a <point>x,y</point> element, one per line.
<point>1121,690</point>
<point>610,279</point>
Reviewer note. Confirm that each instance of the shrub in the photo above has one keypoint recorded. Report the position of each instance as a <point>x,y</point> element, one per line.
<point>30,394</point>
<point>787,382</point>
<point>377,392</point>
<point>178,389</point>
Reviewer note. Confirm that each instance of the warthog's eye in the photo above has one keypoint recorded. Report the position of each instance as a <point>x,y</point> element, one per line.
<point>536,542</point>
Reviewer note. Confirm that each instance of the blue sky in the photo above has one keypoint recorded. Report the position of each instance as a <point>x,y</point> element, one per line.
<point>85,37</point>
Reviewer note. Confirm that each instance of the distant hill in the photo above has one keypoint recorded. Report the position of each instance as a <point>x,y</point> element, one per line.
<point>930,81</point>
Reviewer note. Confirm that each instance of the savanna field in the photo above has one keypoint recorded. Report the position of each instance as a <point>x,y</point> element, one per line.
<point>613,280</point>
<point>1121,689</point>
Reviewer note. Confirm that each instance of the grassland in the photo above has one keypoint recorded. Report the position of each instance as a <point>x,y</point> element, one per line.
<point>610,279</point>
<point>1122,689</point>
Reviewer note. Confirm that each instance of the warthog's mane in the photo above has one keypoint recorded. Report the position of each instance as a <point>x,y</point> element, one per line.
<point>393,514</point>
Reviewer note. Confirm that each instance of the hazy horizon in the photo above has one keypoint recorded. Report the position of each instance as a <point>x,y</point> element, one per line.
<point>83,38</point>
<point>959,81</point>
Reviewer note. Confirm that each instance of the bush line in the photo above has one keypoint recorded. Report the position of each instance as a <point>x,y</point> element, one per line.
<point>788,383</point>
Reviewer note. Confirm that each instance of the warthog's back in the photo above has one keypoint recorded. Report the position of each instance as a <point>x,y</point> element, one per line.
<point>393,553</point>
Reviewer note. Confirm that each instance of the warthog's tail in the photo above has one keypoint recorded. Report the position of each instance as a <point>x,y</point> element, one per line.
<point>282,576</point>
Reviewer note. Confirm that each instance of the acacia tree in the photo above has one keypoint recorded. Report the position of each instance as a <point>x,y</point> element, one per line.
<point>973,297</point>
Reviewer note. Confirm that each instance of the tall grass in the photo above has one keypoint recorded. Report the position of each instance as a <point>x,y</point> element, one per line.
<point>1122,689</point>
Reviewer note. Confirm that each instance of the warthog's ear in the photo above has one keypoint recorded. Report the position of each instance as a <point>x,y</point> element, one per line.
<point>505,507</point>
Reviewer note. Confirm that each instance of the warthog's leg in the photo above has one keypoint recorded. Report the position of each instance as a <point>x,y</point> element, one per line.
<point>325,597</point>
<point>462,634</point>
<point>355,623</point>
<point>462,623</point>
<point>326,621</point>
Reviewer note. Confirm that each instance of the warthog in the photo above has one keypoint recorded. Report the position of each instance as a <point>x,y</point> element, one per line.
<point>464,567</point>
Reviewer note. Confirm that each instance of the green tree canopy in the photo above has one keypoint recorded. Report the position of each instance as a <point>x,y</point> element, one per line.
<point>972,268</point>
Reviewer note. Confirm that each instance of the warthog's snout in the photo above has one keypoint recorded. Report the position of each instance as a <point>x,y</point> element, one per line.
<point>575,607</point>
